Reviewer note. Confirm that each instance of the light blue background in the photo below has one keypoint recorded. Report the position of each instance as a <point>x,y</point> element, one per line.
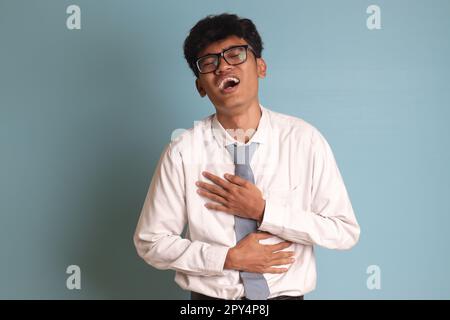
<point>85,114</point>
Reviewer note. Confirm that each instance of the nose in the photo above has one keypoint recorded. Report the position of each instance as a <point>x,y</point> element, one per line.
<point>223,66</point>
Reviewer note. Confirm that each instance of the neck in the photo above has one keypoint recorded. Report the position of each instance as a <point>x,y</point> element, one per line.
<point>242,125</point>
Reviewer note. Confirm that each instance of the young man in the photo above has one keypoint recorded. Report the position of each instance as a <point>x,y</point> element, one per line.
<point>256,188</point>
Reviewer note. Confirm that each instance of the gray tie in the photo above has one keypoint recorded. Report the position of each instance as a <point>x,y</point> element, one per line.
<point>255,285</point>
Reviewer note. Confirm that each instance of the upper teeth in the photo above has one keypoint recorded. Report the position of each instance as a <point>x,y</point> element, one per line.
<point>222,83</point>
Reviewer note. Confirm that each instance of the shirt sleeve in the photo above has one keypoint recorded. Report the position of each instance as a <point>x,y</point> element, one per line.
<point>330,222</point>
<point>163,217</point>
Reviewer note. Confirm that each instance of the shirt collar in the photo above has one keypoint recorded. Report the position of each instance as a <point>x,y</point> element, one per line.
<point>260,136</point>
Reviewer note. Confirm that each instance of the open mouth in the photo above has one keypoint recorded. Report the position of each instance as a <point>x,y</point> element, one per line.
<point>229,84</point>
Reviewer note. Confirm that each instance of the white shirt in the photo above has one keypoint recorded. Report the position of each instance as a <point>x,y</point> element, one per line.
<point>306,203</point>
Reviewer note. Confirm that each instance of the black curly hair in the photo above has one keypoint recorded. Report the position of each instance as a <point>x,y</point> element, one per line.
<point>218,27</point>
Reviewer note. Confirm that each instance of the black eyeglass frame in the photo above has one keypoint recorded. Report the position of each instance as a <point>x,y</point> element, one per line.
<point>222,55</point>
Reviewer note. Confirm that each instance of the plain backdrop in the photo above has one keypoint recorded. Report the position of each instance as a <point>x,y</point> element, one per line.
<point>85,114</point>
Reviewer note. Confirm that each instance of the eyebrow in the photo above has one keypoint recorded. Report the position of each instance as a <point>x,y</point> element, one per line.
<point>234,45</point>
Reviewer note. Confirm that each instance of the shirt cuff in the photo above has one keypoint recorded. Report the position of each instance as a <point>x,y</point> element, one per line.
<point>275,214</point>
<point>215,259</point>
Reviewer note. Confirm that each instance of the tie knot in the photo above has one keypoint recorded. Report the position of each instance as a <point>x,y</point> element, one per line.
<point>242,154</point>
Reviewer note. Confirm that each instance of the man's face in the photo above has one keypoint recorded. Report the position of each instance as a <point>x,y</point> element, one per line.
<point>236,99</point>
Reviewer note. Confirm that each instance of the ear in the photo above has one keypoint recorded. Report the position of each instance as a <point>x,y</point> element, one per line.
<point>261,68</point>
<point>200,89</point>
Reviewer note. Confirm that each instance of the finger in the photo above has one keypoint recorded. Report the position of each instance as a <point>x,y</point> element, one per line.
<point>283,254</point>
<point>218,207</point>
<point>217,180</point>
<point>280,262</point>
<point>275,270</point>
<point>212,196</point>
<point>212,188</point>
<point>279,246</point>
<point>262,235</point>
<point>236,180</point>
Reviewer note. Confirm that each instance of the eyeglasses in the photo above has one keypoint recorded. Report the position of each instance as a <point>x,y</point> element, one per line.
<point>233,56</point>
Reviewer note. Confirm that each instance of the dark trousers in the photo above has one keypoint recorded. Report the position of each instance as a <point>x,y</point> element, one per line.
<point>199,296</point>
